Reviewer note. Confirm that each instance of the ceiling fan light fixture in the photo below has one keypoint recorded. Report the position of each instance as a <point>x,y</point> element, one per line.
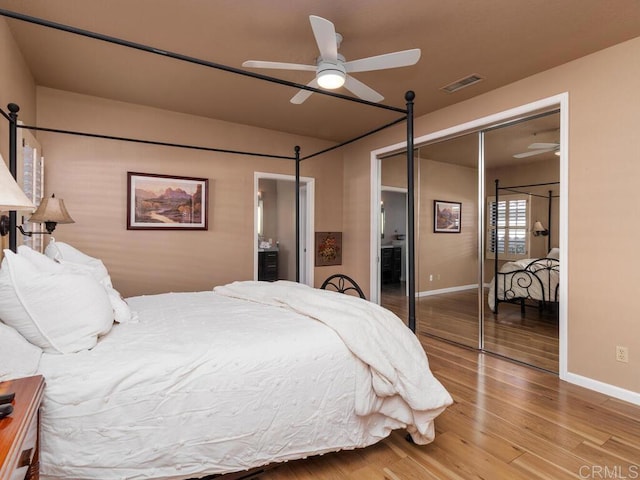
<point>331,67</point>
<point>331,75</point>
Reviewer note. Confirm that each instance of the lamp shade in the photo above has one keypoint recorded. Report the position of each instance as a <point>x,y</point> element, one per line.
<point>11,195</point>
<point>537,227</point>
<point>51,210</point>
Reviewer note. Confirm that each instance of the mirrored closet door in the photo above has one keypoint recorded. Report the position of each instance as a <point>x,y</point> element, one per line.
<point>486,202</point>
<point>521,227</point>
<point>447,244</point>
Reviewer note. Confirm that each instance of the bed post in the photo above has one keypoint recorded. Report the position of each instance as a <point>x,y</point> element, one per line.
<point>549,221</point>
<point>409,97</point>
<point>13,168</point>
<point>297,152</point>
<point>495,251</point>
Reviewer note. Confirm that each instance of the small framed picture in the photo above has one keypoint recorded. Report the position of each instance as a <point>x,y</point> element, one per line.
<point>446,216</point>
<point>328,248</point>
<point>166,202</point>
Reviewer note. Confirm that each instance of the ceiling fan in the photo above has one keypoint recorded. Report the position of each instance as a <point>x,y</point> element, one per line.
<point>332,70</point>
<point>538,148</point>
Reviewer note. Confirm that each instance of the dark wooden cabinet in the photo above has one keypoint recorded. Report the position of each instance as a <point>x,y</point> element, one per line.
<point>268,266</point>
<point>391,264</point>
<point>396,273</point>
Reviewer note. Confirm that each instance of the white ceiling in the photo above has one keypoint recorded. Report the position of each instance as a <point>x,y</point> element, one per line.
<point>500,40</point>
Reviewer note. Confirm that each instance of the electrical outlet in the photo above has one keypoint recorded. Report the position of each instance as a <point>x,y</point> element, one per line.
<point>431,277</point>
<point>622,354</point>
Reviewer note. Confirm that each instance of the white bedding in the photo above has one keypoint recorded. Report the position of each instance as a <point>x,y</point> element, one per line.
<point>397,380</point>
<point>519,284</point>
<point>204,384</point>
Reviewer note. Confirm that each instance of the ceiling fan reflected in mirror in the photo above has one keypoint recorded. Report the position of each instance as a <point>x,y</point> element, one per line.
<point>538,148</point>
<point>332,70</point>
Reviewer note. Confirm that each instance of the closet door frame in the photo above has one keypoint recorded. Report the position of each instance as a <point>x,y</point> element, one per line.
<point>477,125</point>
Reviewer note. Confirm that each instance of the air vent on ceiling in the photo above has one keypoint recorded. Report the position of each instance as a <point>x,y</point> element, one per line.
<point>463,82</point>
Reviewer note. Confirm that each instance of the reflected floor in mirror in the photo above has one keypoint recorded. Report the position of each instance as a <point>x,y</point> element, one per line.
<point>531,339</point>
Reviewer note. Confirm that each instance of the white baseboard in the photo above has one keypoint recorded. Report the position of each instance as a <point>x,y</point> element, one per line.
<point>607,389</point>
<point>447,290</point>
<point>586,382</point>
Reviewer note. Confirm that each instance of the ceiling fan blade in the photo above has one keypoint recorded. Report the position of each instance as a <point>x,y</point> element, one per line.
<point>325,34</point>
<point>302,95</point>
<point>381,62</point>
<point>534,152</point>
<point>279,65</point>
<point>544,145</point>
<point>361,90</point>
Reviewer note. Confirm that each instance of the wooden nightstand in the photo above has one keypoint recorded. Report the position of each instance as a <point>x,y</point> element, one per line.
<point>19,431</point>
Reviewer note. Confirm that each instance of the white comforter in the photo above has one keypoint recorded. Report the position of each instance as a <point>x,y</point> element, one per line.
<point>204,384</point>
<point>397,381</point>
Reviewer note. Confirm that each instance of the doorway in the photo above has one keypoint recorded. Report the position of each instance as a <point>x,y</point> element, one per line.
<point>480,320</point>
<point>393,254</point>
<point>274,227</point>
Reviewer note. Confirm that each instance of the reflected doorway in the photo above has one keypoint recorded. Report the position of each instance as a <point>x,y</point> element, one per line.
<point>393,252</point>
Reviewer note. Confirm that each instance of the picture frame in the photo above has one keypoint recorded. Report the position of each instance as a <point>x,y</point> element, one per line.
<point>328,248</point>
<point>166,202</point>
<point>447,216</point>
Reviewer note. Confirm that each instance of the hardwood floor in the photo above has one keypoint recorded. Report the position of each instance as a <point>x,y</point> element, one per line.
<point>508,422</point>
<point>532,339</point>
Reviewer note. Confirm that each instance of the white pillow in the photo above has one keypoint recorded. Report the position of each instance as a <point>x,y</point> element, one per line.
<point>75,261</point>
<point>58,312</point>
<point>554,253</point>
<point>40,261</point>
<point>121,310</point>
<point>18,358</point>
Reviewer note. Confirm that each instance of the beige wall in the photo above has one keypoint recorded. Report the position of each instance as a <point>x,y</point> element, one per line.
<point>445,260</point>
<point>90,174</point>
<point>16,86</point>
<point>604,112</point>
<point>393,171</point>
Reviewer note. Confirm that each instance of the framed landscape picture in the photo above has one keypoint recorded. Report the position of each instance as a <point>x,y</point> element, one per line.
<point>166,202</point>
<point>446,216</point>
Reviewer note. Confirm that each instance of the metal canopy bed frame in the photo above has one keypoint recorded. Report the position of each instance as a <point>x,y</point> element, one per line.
<point>407,115</point>
<point>537,280</point>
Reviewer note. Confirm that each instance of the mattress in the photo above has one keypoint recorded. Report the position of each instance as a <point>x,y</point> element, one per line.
<point>202,384</point>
